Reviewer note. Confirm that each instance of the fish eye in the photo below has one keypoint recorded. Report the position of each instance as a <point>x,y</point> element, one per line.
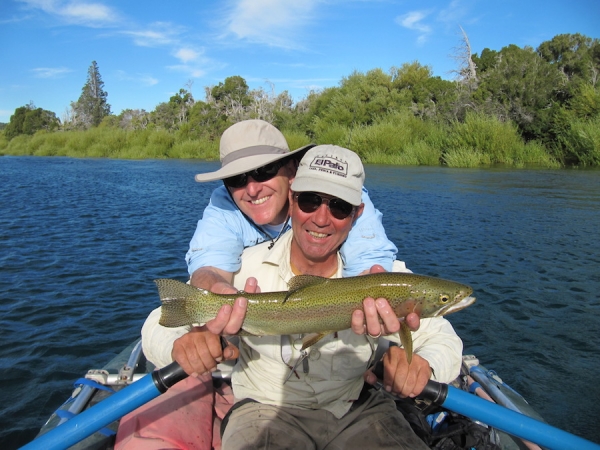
<point>444,298</point>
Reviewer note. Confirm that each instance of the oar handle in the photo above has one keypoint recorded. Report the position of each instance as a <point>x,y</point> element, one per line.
<point>168,376</point>
<point>498,416</point>
<point>504,419</point>
<point>107,411</point>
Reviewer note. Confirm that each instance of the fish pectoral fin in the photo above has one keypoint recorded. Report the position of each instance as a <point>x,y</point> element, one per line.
<point>300,281</point>
<point>243,332</point>
<point>311,339</point>
<point>406,340</point>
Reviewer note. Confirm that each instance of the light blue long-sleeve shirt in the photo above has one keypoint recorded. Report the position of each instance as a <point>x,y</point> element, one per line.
<point>223,233</point>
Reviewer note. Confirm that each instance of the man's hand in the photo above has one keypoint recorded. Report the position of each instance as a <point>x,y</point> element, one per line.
<point>378,318</point>
<point>199,351</point>
<point>213,279</point>
<point>399,377</point>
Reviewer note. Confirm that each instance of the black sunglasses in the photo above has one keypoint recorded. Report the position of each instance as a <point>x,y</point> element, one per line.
<point>264,173</point>
<point>309,202</point>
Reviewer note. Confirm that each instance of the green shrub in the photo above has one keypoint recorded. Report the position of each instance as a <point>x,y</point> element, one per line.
<point>296,139</point>
<point>19,145</point>
<point>534,153</point>
<point>3,143</point>
<point>584,139</point>
<point>138,138</point>
<point>465,157</point>
<point>99,150</point>
<point>195,149</point>
<point>161,139</point>
<point>335,134</point>
<point>500,141</point>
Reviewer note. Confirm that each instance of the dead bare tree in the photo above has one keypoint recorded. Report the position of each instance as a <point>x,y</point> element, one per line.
<point>467,70</point>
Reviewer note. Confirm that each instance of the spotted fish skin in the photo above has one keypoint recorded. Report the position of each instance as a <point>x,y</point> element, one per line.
<point>314,304</point>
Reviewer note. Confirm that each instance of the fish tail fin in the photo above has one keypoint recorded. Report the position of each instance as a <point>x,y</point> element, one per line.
<point>175,297</point>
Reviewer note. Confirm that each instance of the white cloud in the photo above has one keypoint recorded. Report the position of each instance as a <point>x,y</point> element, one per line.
<point>271,22</point>
<point>50,72</point>
<point>75,11</point>
<point>414,21</point>
<point>88,12</point>
<point>193,72</point>
<point>456,11</point>
<point>194,63</point>
<point>143,79</point>
<point>147,80</point>
<point>157,34</point>
<point>186,55</point>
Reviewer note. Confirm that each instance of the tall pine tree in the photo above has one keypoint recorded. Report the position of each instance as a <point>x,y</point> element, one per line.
<point>92,106</point>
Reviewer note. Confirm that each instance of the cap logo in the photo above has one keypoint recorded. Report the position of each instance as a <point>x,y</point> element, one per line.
<point>330,165</point>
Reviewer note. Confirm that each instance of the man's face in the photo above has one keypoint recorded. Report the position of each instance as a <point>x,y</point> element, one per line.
<point>266,202</point>
<point>318,235</point>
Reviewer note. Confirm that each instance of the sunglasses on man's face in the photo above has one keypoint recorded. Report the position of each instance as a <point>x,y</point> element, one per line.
<point>309,202</point>
<point>261,174</point>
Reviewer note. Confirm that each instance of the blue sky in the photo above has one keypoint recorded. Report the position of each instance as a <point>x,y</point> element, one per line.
<point>148,50</point>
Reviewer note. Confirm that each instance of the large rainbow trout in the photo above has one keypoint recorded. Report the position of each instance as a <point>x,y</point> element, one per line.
<point>317,306</point>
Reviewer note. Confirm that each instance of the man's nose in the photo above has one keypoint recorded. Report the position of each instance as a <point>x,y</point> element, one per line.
<point>253,186</point>
<point>321,215</point>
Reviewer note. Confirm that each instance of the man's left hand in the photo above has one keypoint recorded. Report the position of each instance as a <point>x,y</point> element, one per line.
<point>399,377</point>
<point>378,318</point>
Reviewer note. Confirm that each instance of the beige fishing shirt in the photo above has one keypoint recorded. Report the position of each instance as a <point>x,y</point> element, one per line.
<point>332,377</point>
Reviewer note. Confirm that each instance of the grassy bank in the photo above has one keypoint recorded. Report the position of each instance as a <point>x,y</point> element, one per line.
<point>398,139</point>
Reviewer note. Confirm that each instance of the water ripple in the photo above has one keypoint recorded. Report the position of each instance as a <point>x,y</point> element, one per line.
<point>82,240</point>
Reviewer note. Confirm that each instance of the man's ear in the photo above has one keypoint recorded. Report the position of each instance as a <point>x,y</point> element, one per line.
<point>358,212</point>
<point>292,168</point>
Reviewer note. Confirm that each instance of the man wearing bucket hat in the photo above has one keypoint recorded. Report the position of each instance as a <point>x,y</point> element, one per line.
<point>290,399</point>
<point>257,168</point>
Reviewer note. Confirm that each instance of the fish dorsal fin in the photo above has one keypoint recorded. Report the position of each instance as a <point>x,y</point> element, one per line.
<point>300,281</point>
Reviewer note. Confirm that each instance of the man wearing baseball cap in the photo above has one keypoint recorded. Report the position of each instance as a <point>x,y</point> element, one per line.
<point>289,398</point>
<point>252,206</point>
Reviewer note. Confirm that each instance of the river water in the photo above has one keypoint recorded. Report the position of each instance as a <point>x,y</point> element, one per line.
<point>82,239</point>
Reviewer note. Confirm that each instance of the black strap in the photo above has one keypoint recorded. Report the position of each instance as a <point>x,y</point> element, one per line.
<point>239,404</point>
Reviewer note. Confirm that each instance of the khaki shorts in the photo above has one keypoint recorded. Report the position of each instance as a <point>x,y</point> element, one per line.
<point>373,424</point>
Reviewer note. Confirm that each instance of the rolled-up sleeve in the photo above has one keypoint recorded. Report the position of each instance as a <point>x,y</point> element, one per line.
<point>437,342</point>
<point>157,341</point>
<point>367,243</point>
<point>219,237</point>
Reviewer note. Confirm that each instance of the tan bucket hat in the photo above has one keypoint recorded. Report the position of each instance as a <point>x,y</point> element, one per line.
<point>248,145</point>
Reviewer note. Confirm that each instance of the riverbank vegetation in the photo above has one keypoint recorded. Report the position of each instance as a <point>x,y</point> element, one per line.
<point>516,107</point>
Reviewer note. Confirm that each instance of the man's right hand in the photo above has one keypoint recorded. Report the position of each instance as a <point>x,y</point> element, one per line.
<point>199,351</point>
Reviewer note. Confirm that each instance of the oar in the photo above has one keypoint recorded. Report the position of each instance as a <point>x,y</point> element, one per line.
<point>107,411</point>
<point>504,419</point>
<point>152,385</point>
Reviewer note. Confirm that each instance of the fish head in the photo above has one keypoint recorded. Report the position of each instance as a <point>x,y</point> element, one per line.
<point>438,297</point>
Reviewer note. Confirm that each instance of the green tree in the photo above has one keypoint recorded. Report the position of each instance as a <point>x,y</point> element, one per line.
<point>577,59</point>
<point>133,119</point>
<point>29,119</point>
<point>425,95</point>
<point>92,105</point>
<point>231,98</point>
<point>234,89</point>
<point>574,55</point>
<point>360,100</point>
<point>519,86</point>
